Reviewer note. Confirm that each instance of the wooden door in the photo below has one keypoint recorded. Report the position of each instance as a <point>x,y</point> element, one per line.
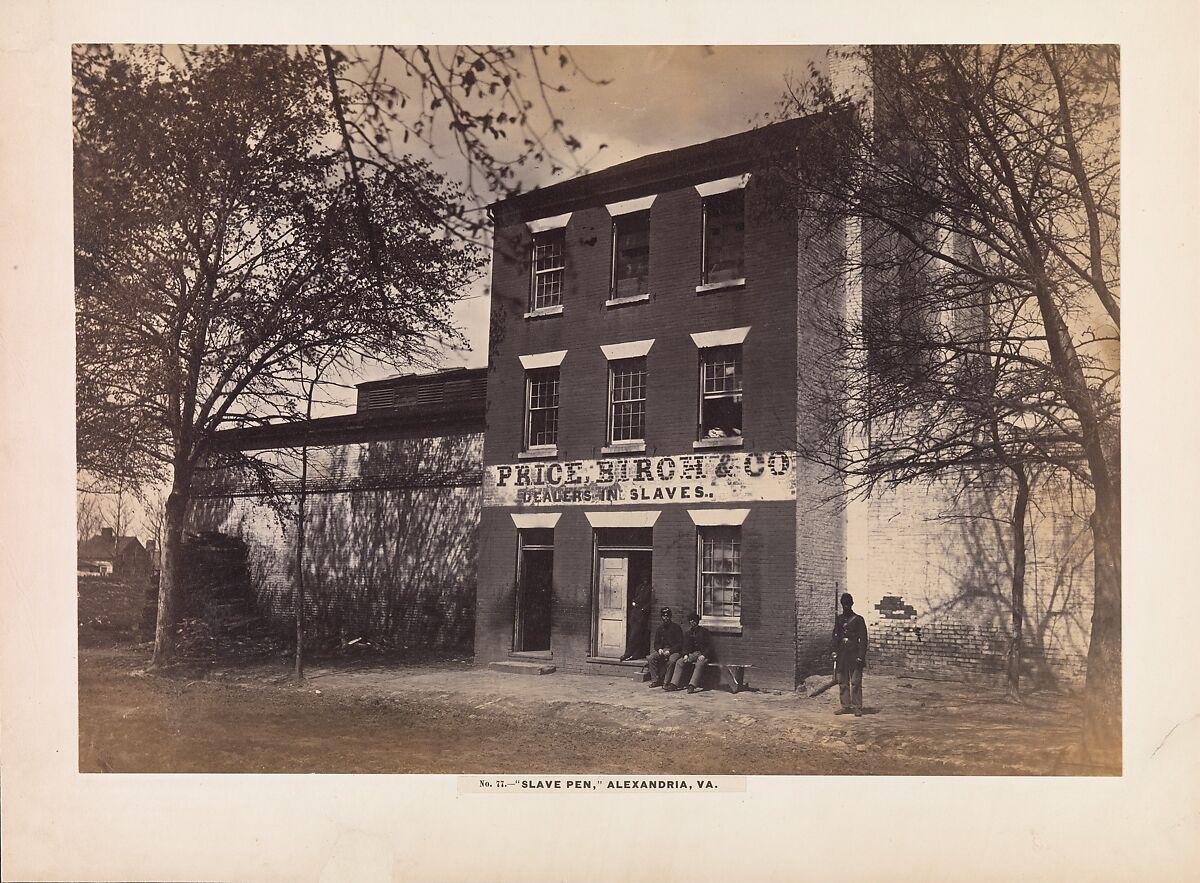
<point>611,597</point>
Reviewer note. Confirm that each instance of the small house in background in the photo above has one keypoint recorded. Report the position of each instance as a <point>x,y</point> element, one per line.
<point>125,558</point>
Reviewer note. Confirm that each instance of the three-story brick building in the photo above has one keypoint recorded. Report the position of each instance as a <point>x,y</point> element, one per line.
<point>648,325</point>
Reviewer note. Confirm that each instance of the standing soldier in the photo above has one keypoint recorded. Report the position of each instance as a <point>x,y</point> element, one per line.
<point>849,656</point>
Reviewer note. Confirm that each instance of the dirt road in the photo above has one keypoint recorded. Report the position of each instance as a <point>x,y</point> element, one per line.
<point>453,718</point>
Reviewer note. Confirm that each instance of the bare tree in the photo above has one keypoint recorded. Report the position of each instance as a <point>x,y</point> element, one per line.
<point>990,177</point>
<point>154,515</point>
<point>88,516</point>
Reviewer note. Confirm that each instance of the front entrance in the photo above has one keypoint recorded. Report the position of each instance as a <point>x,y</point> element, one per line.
<point>623,568</point>
<point>535,581</point>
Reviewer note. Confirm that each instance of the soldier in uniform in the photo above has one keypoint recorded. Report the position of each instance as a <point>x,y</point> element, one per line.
<point>697,650</point>
<point>668,647</point>
<point>849,656</point>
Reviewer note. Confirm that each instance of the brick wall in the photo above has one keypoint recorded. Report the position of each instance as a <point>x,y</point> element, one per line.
<point>674,312</point>
<point>391,541</point>
<point>940,588</point>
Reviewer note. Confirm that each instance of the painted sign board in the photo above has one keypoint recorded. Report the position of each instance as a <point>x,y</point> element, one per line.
<point>725,477</point>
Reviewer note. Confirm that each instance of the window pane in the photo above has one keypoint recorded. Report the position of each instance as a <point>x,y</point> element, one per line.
<point>542,407</point>
<point>629,421</point>
<point>721,392</point>
<point>631,259</point>
<point>548,263</point>
<point>723,369</point>
<point>543,427</point>
<point>548,251</point>
<point>724,234</point>
<point>720,572</point>
<point>627,403</point>
<point>538,536</point>
<point>629,383</point>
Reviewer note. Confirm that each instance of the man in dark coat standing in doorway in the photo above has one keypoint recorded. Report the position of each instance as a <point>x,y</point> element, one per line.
<point>638,636</point>
<point>667,648</point>
<point>849,656</point>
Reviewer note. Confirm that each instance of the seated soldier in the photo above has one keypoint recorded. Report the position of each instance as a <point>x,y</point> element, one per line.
<point>697,650</point>
<point>668,643</point>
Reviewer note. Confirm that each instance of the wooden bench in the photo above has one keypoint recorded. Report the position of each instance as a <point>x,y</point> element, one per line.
<point>733,673</point>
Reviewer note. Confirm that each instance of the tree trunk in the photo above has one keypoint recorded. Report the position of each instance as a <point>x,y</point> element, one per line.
<point>1020,507</point>
<point>171,577</point>
<point>1101,736</point>
<point>1102,688</point>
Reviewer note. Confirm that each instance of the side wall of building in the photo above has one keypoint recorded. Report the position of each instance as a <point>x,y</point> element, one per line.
<point>941,580</point>
<point>391,542</point>
<point>820,518</point>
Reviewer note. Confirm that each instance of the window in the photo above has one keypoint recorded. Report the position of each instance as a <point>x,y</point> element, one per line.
<point>631,255</point>
<point>720,580</point>
<point>721,392</point>
<point>724,235</point>
<point>541,408</point>
<point>548,263</point>
<point>627,400</point>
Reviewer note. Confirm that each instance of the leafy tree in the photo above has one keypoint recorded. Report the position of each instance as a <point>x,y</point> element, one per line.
<point>220,236</point>
<point>981,187</point>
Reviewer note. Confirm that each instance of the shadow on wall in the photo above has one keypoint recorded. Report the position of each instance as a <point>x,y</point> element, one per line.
<point>961,618</point>
<point>390,549</point>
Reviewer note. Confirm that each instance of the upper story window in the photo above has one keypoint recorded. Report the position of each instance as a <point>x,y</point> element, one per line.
<point>721,392</point>
<point>541,408</point>
<point>724,237</point>
<point>548,269</point>
<point>627,400</point>
<point>631,255</point>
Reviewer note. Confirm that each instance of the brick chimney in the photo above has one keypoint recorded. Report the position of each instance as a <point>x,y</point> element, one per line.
<point>850,78</point>
<point>106,533</point>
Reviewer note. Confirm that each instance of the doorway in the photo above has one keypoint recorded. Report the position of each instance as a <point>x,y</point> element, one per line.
<point>622,592</point>
<point>535,590</point>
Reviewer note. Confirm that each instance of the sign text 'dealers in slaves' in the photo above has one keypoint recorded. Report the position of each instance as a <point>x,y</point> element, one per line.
<point>711,477</point>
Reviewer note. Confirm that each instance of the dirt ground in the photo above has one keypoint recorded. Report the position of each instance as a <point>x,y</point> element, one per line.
<point>454,718</point>
<point>240,711</point>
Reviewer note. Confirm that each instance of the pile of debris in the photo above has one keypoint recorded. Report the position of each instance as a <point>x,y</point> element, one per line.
<point>220,616</point>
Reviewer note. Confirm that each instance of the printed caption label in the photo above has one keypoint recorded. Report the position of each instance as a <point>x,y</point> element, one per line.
<point>600,784</point>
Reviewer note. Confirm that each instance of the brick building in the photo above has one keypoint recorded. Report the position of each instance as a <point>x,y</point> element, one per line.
<point>649,324</point>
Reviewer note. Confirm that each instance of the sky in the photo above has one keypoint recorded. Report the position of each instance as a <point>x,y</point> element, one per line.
<point>658,98</point>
